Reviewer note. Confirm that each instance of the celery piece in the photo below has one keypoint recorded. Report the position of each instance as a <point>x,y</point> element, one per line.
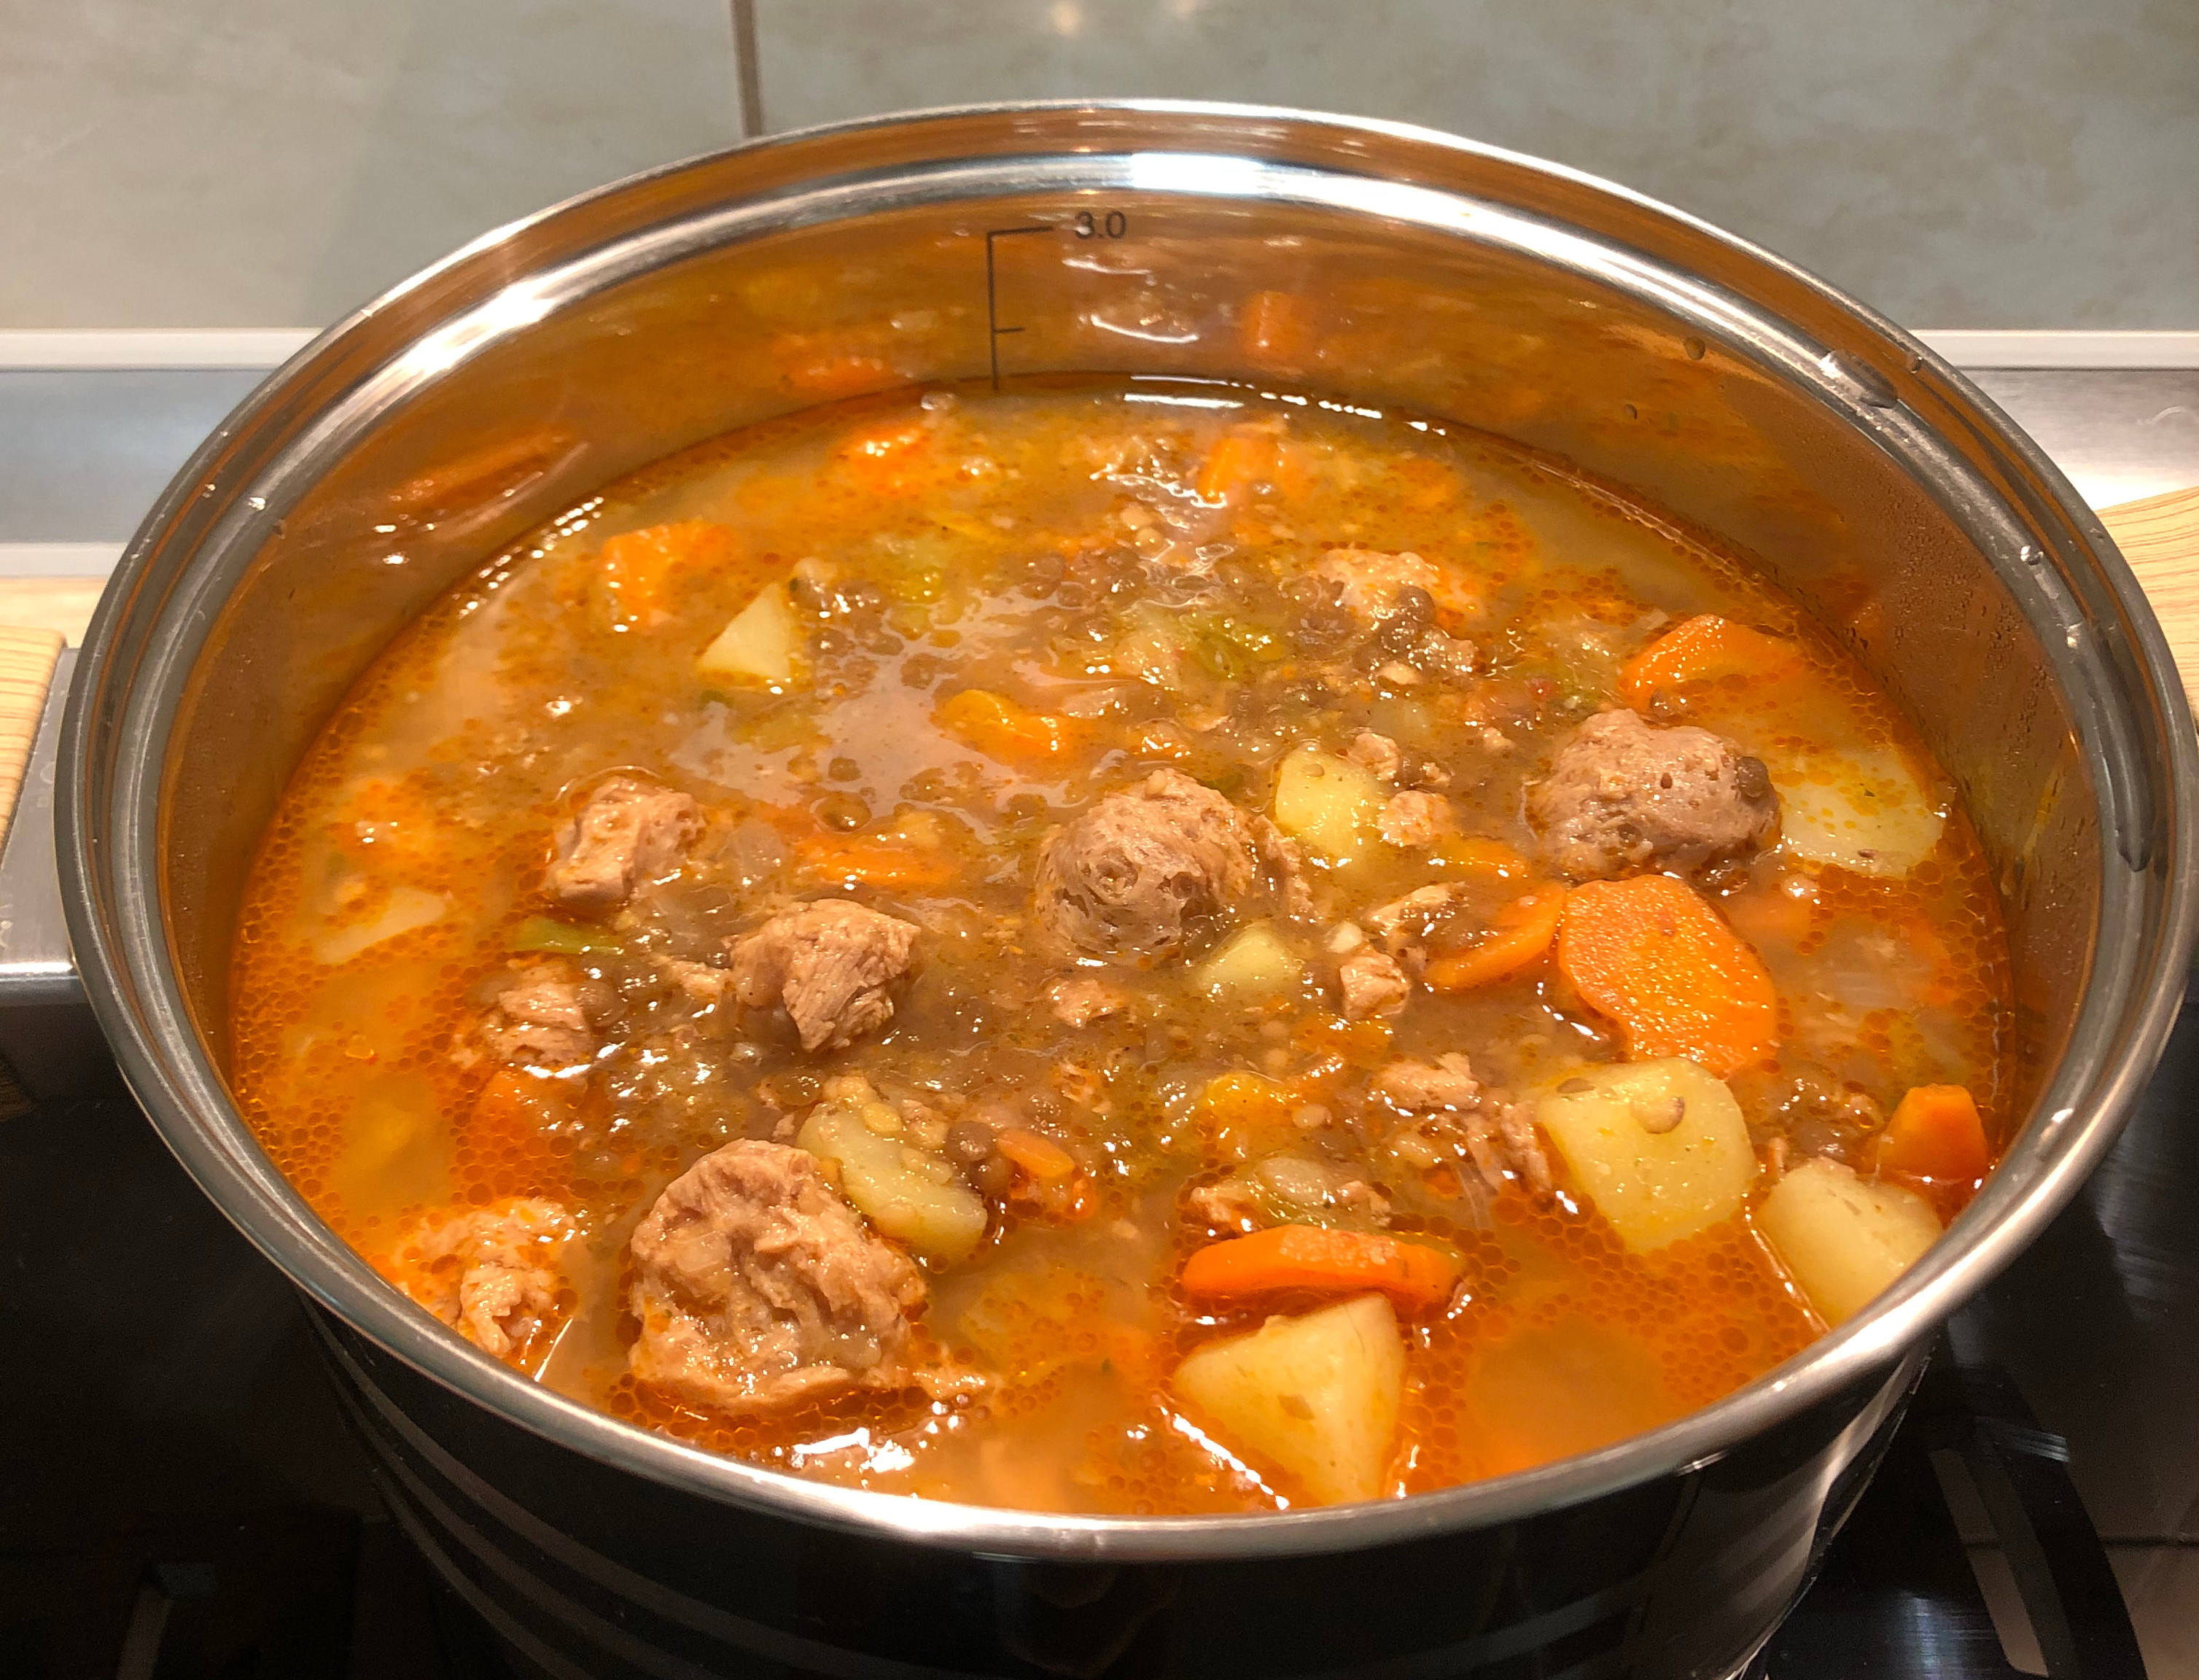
<point>1231,649</point>
<point>541,933</point>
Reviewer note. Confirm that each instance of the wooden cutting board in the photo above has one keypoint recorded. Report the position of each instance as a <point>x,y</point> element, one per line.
<point>2159,536</point>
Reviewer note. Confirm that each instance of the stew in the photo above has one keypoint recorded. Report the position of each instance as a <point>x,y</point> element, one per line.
<point>1126,947</point>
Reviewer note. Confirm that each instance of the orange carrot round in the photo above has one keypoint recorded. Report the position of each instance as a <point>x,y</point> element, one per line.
<point>1936,1133</point>
<point>1000,729</point>
<point>1241,455</point>
<point>637,570</point>
<point>1041,1157</point>
<point>1413,1275</point>
<point>875,863</point>
<point>1704,649</point>
<point>1652,955</point>
<point>1519,934</point>
<point>1474,854</point>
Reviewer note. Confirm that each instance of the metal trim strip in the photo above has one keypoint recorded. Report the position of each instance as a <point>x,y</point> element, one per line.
<point>89,349</point>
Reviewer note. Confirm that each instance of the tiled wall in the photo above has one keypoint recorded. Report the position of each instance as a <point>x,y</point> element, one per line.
<point>275,162</point>
<point>2004,163</point>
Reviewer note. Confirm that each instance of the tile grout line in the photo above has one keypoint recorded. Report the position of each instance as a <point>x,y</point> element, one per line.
<point>748,70</point>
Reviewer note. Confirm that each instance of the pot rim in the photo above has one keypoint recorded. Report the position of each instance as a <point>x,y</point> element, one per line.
<point>118,935</point>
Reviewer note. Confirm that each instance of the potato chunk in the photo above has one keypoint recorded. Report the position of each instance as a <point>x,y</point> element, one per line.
<point>1329,802</point>
<point>405,909</point>
<point>1843,1238</point>
<point>758,644</point>
<point>912,1194</point>
<point>1253,964</point>
<point>1661,1148</point>
<point>1861,809</point>
<point>1315,1397</point>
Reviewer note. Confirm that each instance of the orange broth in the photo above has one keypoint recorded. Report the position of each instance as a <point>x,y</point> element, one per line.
<point>1008,545</point>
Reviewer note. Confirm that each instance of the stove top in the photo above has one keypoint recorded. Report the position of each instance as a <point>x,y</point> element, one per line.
<point>179,1499</point>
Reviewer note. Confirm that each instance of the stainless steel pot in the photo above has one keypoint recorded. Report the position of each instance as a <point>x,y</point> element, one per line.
<point>408,443</point>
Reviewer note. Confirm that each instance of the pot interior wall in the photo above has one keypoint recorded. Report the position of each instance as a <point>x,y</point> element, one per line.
<point>610,355</point>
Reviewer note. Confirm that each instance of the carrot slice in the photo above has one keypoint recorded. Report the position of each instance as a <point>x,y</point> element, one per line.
<point>636,571</point>
<point>1476,856</point>
<point>1242,454</point>
<point>1705,649</point>
<point>890,456</point>
<point>1039,1157</point>
<point>1520,933</point>
<point>1362,1044</point>
<point>1413,1275</point>
<point>1652,955</point>
<point>875,863</point>
<point>1936,1133</point>
<point>999,728</point>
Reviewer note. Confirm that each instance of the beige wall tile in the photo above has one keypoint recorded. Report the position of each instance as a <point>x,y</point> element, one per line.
<point>276,163</point>
<point>2003,163</point>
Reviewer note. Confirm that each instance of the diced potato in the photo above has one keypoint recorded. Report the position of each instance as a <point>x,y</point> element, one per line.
<point>394,1149</point>
<point>1254,964</point>
<point>758,645</point>
<point>1315,1397</point>
<point>910,1194</point>
<point>1329,802</point>
<point>1661,1148</point>
<point>1843,1238</point>
<point>404,910</point>
<point>1861,809</point>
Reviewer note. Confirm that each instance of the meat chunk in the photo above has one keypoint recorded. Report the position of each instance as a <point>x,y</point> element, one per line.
<point>1137,875</point>
<point>1447,1111</point>
<point>1286,862</point>
<point>1402,926</point>
<point>1375,587</point>
<point>541,1019</point>
<point>1415,819</point>
<point>1373,984</point>
<point>1447,1083</point>
<point>1623,796</point>
<point>1083,999</point>
<point>703,984</point>
<point>1377,754</point>
<point>629,831</point>
<point>831,962</point>
<point>758,1288</point>
<point>490,1273</point>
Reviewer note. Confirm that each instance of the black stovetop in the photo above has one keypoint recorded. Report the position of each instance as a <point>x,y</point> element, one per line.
<point>179,1500</point>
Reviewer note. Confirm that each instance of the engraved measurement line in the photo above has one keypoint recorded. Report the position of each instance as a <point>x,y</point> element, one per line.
<point>994,330</point>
